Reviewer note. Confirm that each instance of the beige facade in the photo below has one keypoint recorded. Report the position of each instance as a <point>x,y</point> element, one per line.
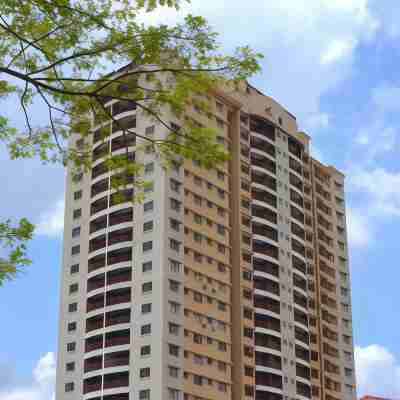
<point>226,283</point>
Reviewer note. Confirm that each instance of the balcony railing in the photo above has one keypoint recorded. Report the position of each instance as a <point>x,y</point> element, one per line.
<point>92,364</point>
<point>118,296</point>
<point>263,162</point>
<point>118,317</point>
<point>93,343</point>
<point>268,360</point>
<point>267,322</point>
<point>262,127</point>
<point>265,213</point>
<point>120,255</point>
<point>99,187</point>
<point>122,235</point>
<point>267,304</point>
<point>96,282</point>
<point>117,338</point>
<point>94,323</point>
<point>268,379</point>
<point>121,216</point>
<point>98,224</point>
<point>92,384</point>
<point>259,144</point>
<point>265,266</point>
<point>120,379</point>
<point>96,262</point>
<point>116,359</point>
<point>264,340</point>
<point>266,285</point>
<point>119,275</point>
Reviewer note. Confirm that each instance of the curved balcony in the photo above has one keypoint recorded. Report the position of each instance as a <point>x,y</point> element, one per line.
<point>123,141</point>
<point>258,211</point>
<point>267,304</point>
<point>297,214</point>
<point>295,148</point>
<point>96,262</point>
<point>94,343</point>
<point>100,151</point>
<point>258,143</point>
<point>301,335</point>
<point>267,322</point>
<point>263,179</point>
<point>263,162</point>
<point>302,354</point>
<point>266,285</point>
<point>268,341</point>
<point>99,187</point>
<point>301,318</point>
<point>262,127</point>
<point>99,205</point>
<point>265,231</point>
<point>123,106</point>
<point>268,380</point>
<point>267,249</point>
<point>118,338</point>
<point>268,360</point>
<point>263,393</point>
<point>267,267</point>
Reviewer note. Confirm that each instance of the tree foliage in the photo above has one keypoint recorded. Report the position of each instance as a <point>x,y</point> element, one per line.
<point>59,53</point>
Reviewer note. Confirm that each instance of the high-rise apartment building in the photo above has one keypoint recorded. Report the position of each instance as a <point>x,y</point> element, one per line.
<point>226,283</point>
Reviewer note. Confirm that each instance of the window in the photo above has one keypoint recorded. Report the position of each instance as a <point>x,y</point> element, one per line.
<point>148,226</point>
<point>69,387</point>
<point>149,187</point>
<point>147,287</point>
<point>144,394</point>
<point>221,346</point>
<point>71,326</point>
<point>198,359</point>
<point>145,350</point>
<point>197,181</point>
<point>147,246</point>
<point>77,177</point>
<point>197,237</point>
<point>197,338</point>
<point>145,329</point>
<point>144,372</point>
<point>174,285</point>
<point>149,168</point>
<point>173,329</point>
<point>71,346</point>
<point>77,194</point>
<point>198,200</point>
<point>75,250</point>
<point>173,350</point>
<point>173,372</point>
<point>72,307</point>
<point>174,185</point>
<point>173,394</point>
<point>146,308</point>
<point>221,230</point>
<point>148,206</point>
<point>147,266</point>
<point>77,213</point>
<point>174,307</point>
<point>174,244</point>
<point>70,366</point>
<point>197,380</point>
<point>76,231</point>
<point>149,130</point>
<point>197,297</point>
<point>74,269</point>
<point>221,306</point>
<point>174,266</point>
<point>174,224</point>
<point>175,205</point>
<point>73,288</point>
<point>197,218</point>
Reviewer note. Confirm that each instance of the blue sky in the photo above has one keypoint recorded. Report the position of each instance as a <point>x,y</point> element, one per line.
<point>335,65</point>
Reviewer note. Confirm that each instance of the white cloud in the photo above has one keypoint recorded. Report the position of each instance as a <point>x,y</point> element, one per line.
<point>358,228</point>
<point>377,371</point>
<point>51,223</point>
<point>298,35</point>
<point>382,188</point>
<point>42,387</point>
<point>337,50</point>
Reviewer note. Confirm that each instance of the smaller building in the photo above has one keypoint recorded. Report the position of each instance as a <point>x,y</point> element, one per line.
<point>367,397</point>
